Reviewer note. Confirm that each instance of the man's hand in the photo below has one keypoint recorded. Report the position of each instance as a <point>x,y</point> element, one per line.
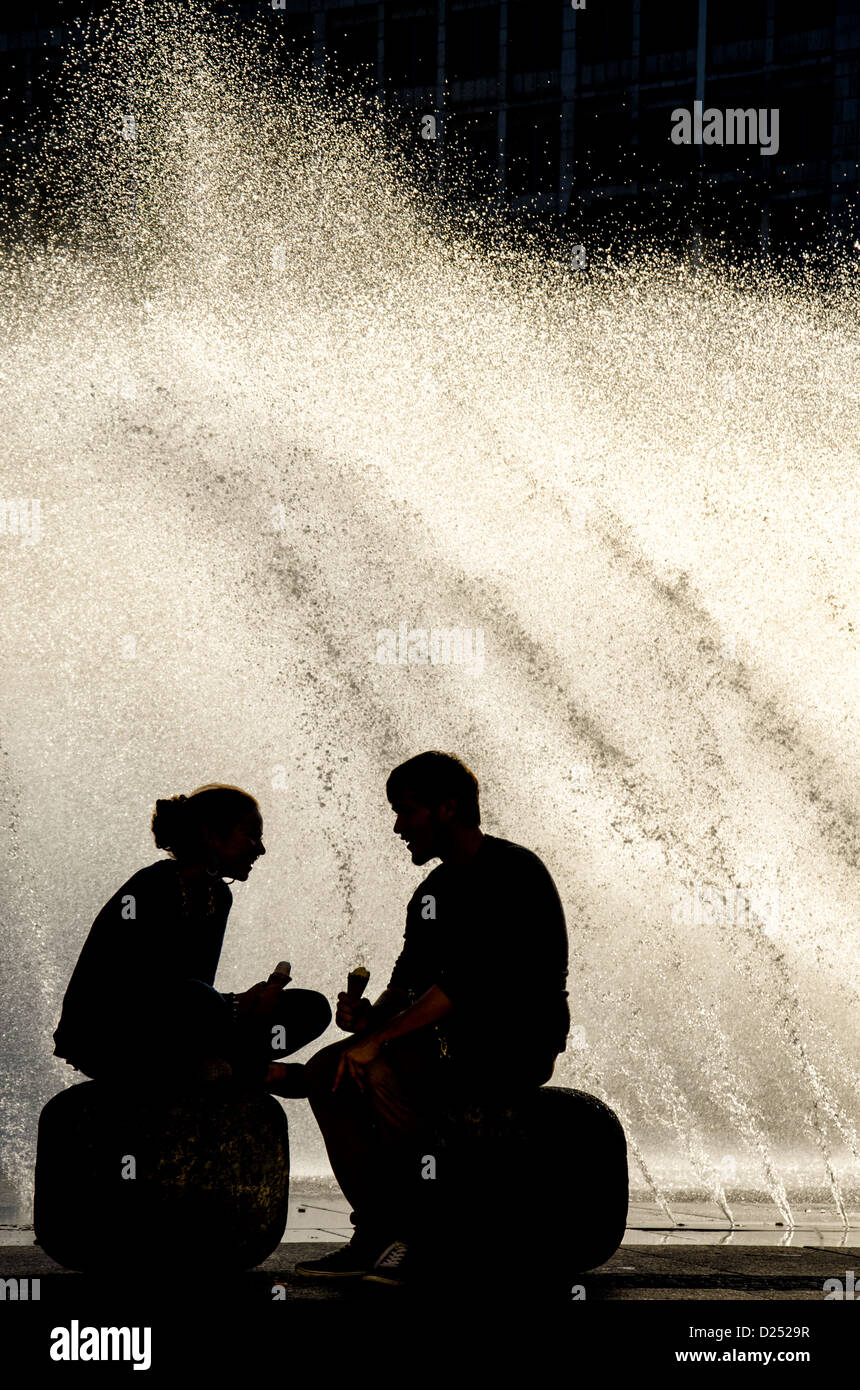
<point>354,1059</point>
<point>259,1000</point>
<point>352,1014</point>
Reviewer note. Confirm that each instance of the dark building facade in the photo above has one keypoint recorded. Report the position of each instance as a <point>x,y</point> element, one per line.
<point>565,109</point>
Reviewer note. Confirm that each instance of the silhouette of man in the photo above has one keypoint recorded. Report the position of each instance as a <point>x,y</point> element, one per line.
<point>451,1027</point>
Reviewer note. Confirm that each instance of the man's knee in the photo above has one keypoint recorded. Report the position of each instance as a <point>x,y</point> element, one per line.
<point>378,1075</point>
<point>320,1069</point>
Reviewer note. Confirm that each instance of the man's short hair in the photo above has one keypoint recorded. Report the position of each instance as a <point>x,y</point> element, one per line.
<point>436,777</point>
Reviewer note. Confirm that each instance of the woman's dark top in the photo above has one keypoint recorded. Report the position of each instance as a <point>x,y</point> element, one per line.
<point>140,948</point>
<point>485,932</point>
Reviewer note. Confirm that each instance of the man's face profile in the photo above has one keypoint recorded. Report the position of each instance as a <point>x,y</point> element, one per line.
<point>419,826</point>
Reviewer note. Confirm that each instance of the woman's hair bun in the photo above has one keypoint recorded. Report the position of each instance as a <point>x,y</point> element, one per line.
<point>168,820</point>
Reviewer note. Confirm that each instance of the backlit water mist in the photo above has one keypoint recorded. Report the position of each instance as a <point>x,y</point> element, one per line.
<point>272,407</point>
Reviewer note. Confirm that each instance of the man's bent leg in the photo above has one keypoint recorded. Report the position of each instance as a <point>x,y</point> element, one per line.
<point>346,1120</point>
<point>373,1136</point>
<point>404,1093</point>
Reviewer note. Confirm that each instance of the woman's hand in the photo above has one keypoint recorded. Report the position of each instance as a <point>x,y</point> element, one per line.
<point>259,1000</point>
<point>354,1059</point>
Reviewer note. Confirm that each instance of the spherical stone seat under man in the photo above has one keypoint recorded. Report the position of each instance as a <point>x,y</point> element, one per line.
<point>538,1186</point>
<point>199,1176</point>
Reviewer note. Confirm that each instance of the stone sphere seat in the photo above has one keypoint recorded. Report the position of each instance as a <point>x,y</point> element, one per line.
<point>538,1185</point>
<point>199,1176</point>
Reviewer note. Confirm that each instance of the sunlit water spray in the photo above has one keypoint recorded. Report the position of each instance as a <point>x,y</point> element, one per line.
<point>283,419</point>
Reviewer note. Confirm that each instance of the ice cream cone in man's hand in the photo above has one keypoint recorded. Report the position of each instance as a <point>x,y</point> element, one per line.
<point>353,1011</point>
<point>356,981</point>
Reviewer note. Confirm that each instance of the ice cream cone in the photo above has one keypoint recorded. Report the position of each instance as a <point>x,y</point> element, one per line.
<point>356,981</point>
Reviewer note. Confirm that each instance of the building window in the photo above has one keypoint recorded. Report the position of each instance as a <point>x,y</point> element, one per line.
<point>668,28</point>
<point>602,137</point>
<point>658,157</point>
<point>805,122</point>
<point>472,43</point>
<point>533,150</point>
<point>410,46</point>
<point>472,154</point>
<point>296,31</point>
<point>731,24</point>
<point>604,33</point>
<point>798,17</point>
<point>350,43</point>
<point>534,37</point>
<point>736,37</point>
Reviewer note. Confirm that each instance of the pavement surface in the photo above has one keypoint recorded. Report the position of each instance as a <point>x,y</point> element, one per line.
<point>646,1272</point>
<point>695,1256</point>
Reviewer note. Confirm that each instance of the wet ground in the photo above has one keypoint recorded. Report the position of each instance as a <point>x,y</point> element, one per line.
<point>699,1256</point>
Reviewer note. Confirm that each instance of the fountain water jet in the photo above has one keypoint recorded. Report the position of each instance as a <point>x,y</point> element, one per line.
<point>276,401</point>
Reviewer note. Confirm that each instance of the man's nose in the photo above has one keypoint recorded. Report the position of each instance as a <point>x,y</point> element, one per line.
<point>262,849</point>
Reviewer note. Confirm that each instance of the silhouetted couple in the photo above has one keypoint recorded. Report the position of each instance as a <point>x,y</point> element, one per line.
<point>475,1010</point>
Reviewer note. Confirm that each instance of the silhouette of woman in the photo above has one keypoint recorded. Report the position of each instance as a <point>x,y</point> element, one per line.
<point>141,1003</point>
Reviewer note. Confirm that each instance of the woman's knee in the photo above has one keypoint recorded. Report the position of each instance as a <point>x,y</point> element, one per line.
<point>304,1013</point>
<point>316,1009</point>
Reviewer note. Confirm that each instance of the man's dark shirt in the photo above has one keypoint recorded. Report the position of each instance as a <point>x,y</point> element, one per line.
<point>128,964</point>
<point>497,947</point>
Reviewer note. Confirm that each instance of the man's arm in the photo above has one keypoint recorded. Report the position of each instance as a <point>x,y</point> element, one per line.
<point>433,1004</point>
<point>390,1002</point>
<point>359,1015</point>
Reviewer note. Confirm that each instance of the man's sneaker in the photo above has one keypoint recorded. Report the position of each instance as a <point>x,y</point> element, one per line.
<point>392,1267</point>
<point>350,1261</point>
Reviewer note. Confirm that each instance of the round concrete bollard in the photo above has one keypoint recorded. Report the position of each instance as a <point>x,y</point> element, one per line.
<point>538,1187</point>
<point>199,1177</point>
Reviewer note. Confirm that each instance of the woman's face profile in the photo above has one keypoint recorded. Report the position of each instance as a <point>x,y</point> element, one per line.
<point>237,851</point>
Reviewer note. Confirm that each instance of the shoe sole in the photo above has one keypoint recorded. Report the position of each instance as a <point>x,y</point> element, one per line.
<point>383,1279</point>
<point>329,1273</point>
